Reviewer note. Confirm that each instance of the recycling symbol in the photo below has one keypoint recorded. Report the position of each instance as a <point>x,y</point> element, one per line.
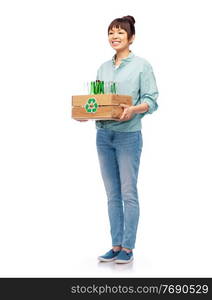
<point>91,105</point>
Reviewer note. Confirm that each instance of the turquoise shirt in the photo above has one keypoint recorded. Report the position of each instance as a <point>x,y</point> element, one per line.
<point>134,77</point>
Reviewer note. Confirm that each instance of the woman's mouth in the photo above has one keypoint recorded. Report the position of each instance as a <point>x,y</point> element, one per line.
<point>116,43</point>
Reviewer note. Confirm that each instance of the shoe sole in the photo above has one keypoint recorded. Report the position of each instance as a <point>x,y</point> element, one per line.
<point>106,259</point>
<point>120,261</point>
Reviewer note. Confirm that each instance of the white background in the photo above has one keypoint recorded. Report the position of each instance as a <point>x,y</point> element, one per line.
<point>53,206</point>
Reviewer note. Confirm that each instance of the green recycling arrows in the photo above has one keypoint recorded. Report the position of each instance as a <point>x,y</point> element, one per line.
<point>91,105</point>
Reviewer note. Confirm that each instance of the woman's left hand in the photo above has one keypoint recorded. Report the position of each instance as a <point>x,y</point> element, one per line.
<point>127,113</point>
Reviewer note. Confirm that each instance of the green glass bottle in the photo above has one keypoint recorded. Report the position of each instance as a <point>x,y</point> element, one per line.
<point>102,87</point>
<point>92,87</point>
<point>95,87</point>
<point>111,87</point>
<point>114,87</point>
<point>98,87</point>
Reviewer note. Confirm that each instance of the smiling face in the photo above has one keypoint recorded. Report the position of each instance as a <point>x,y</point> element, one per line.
<point>118,39</point>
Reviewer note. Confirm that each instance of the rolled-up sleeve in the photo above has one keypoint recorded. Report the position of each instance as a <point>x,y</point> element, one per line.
<point>148,89</point>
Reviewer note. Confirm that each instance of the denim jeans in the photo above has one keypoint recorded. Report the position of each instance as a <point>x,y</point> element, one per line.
<point>119,158</point>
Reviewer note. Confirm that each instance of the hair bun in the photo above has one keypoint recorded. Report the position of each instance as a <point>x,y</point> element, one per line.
<point>130,19</point>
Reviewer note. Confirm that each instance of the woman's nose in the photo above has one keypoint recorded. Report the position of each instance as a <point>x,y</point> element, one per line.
<point>115,36</point>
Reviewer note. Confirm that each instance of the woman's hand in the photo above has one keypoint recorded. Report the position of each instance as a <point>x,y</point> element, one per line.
<point>127,113</point>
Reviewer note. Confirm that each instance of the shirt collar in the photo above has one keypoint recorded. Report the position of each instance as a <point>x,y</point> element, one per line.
<point>126,59</point>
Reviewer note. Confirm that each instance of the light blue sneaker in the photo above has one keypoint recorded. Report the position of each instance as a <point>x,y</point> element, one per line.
<point>109,256</point>
<point>124,257</point>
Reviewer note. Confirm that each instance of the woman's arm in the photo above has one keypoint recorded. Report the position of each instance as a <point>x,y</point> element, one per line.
<point>129,111</point>
<point>148,95</point>
<point>141,108</point>
<point>148,90</point>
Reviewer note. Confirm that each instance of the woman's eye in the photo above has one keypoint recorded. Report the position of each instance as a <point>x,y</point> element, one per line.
<point>121,32</point>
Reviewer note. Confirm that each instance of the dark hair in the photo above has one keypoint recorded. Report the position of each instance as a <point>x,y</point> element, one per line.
<point>126,23</point>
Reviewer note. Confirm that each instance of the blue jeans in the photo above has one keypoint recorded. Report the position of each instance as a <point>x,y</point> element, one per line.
<point>119,157</point>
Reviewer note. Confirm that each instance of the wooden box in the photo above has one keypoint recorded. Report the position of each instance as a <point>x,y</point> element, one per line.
<point>99,106</point>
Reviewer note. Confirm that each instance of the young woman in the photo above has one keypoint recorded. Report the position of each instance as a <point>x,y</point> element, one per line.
<point>119,143</point>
